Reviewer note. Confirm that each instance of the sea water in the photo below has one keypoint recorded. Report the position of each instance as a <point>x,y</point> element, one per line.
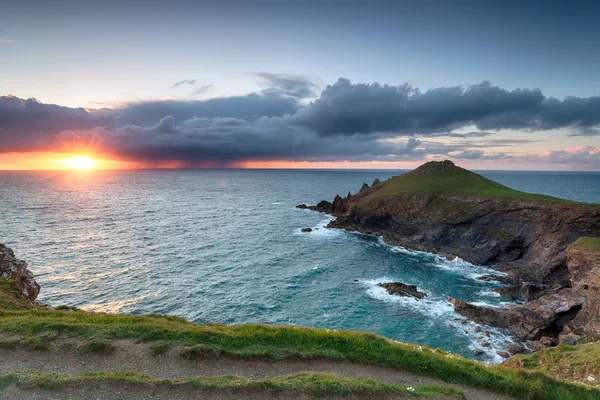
<point>226,246</point>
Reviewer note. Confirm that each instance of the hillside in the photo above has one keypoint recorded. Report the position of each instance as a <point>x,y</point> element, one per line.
<point>445,177</point>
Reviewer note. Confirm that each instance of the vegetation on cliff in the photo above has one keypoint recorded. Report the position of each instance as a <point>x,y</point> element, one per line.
<point>445,177</point>
<point>588,244</point>
<point>22,327</point>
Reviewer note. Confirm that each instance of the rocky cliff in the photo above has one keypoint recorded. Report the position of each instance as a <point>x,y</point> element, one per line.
<point>445,209</point>
<point>16,270</point>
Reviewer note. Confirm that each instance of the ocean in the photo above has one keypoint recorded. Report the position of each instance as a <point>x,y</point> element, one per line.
<point>225,246</point>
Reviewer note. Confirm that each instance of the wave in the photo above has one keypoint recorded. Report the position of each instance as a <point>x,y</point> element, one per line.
<point>442,311</point>
<point>320,229</point>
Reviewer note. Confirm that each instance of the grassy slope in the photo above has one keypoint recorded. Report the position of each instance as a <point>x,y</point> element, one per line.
<point>567,362</point>
<point>271,342</point>
<point>317,383</point>
<point>591,244</point>
<point>429,179</point>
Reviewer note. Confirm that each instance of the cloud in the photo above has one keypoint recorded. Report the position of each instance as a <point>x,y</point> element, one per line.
<point>7,41</point>
<point>184,82</point>
<point>347,109</point>
<point>583,155</point>
<point>202,89</point>
<point>356,122</point>
<point>295,86</point>
<point>28,125</point>
<point>479,155</point>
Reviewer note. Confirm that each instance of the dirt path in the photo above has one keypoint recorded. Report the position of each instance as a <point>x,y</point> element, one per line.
<point>138,357</point>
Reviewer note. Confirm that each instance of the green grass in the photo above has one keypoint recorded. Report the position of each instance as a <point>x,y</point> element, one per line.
<point>160,347</point>
<point>591,244</point>
<point>431,179</point>
<point>12,298</point>
<point>278,342</point>
<point>317,383</point>
<point>568,362</point>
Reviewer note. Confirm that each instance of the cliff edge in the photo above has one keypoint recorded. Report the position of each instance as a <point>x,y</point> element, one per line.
<point>445,209</point>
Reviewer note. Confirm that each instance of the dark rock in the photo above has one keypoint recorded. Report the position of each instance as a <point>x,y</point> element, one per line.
<point>515,348</point>
<point>522,291</point>
<point>484,343</point>
<point>485,334</point>
<point>363,187</point>
<point>535,345</point>
<point>477,352</point>
<point>476,329</point>
<point>302,206</point>
<point>545,316</point>
<point>401,289</point>
<point>570,339</point>
<point>306,229</point>
<point>548,341</point>
<point>13,269</point>
<point>375,182</point>
<point>503,354</point>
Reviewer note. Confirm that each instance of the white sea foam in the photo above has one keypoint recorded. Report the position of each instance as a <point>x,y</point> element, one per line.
<point>442,312</point>
<point>320,229</point>
<point>456,265</point>
<point>429,306</point>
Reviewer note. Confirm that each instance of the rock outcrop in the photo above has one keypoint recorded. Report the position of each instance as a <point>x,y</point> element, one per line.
<point>445,209</point>
<point>16,270</point>
<point>545,316</point>
<point>584,267</point>
<point>401,289</point>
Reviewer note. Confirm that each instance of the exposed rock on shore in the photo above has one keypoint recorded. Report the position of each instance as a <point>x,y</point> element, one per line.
<point>401,289</point>
<point>16,270</point>
<point>445,209</point>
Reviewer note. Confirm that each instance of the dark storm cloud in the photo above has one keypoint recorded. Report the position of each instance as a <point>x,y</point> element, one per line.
<point>249,107</point>
<point>185,82</point>
<point>346,109</point>
<point>27,125</point>
<point>288,85</point>
<point>356,122</point>
<point>227,140</point>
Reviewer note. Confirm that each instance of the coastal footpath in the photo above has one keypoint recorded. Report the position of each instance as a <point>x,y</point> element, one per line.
<point>66,353</point>
<point>548,247</point>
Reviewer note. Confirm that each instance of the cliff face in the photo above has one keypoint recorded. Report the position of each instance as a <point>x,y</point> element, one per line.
<point>445,209</point>
<point>584,266</point>
<point>531,235</point>
<point>16,270</point>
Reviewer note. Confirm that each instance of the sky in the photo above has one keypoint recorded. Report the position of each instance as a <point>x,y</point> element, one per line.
<point>311,84</point>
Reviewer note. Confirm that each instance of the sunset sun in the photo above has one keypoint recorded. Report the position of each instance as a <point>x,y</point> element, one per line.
<point>80,163</point>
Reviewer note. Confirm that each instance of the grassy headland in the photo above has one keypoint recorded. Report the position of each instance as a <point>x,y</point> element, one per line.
<point>445,177</point>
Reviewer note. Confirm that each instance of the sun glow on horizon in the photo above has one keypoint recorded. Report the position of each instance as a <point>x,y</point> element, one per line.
<point>80,163</point>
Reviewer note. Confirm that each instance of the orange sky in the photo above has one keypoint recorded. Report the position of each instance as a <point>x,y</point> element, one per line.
<point>63,161</point>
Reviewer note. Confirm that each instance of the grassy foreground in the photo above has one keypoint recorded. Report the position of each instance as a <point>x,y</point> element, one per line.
<point>579,363</point>
<point>282,342</point>
<point>436,177</point>
<point>317,383</point>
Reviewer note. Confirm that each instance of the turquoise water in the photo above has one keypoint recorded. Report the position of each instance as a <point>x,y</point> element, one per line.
<point>226,246</point>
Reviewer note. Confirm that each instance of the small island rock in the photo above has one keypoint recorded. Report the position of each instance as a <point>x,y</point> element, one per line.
<point>401,289</point>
